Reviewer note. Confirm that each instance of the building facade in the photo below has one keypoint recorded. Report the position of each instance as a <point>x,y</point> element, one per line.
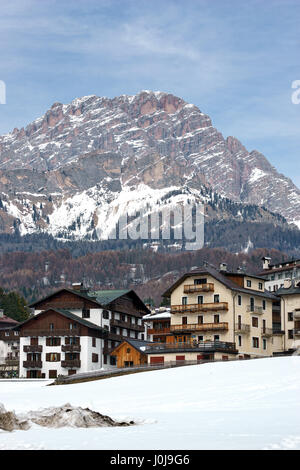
<point>218,314</point>
<point>75,330</point>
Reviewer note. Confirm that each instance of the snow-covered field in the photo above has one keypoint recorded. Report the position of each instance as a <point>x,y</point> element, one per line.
<point>230,405</point>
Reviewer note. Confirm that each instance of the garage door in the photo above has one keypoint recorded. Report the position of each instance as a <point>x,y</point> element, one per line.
<point>157,360</point>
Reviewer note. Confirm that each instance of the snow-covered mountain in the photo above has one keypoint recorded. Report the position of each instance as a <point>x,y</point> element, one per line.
<point>71,172</point>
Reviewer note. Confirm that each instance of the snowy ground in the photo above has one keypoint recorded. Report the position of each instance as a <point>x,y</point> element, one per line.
<point>230,405</point>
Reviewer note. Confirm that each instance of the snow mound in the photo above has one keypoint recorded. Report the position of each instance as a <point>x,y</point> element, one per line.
<point>57,417</point>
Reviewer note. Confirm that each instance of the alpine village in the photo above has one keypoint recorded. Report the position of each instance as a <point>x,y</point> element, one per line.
<point>210,313</point>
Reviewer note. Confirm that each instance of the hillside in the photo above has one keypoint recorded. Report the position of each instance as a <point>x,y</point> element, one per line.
<point>229,405</point>
<point>149,273</point>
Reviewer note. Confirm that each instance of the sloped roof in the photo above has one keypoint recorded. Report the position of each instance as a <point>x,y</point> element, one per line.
<point>221,278</point>
<point>67,314</point>
<point>105,297</point>
<point>137,344</point>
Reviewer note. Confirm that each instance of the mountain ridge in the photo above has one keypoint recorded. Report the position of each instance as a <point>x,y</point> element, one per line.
<point>98,150</point>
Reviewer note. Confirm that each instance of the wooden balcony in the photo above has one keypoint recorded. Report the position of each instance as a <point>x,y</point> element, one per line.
<point>36,348</point>
<point>199,327</point>
<point>70,363</point>
<point>267,332</point>
<point>202,346</point>
<point>40,332</point>
<point>255,309</point>
<point>126,324</point>
<point>195,308</point>
<point>241,328</point>
<point>71,348</point>
<point>32,364</point>
<point>158,331</point>
<point>194,288</point>
<point>296,314</point>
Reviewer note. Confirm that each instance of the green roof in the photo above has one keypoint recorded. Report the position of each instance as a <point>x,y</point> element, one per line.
<point>105,297</point>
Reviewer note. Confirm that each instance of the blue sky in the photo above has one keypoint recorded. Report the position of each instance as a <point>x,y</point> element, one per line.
<point>235,60</point>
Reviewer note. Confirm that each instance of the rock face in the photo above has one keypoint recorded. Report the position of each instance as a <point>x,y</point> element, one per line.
<point>57,417</point>
<point>70,170</point>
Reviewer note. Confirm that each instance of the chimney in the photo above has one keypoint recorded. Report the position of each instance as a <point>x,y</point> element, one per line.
<point>223,267</point>
<point>77,286</point>
<point>266,262</point>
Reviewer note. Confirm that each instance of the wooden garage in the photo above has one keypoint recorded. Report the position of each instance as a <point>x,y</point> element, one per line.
<point>130,353</point>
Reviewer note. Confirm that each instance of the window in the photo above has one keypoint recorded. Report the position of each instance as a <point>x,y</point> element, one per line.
<point>239,300</point>
<point>86,313</point>
<point>255,322</point>
<point>53,341</point>
<point>200,299</point>
<point>93,342</point>
<point>113,361</point>
<point>249,283</point>
<point>216,318</point>
<point>264,305</point>
<point>290,316</point>
<point>260,286</point>
<point>240,340</point>
<point>200,281</point>
<point>264,343</point>
<point>51,326</point>
<point>128,350</point>
<point>216,338</point>
<point>94,357</point>
<point>216,298</point>
<point>251,304</point>
<point>184,300</point>
<point>184,320</point>
<point>53,357</point>
<point>290,334</point>
<point>105,314</point>
<point>255,342</point>
<point>200,319</point>
<point>200,338</point>
<point>16,333</point>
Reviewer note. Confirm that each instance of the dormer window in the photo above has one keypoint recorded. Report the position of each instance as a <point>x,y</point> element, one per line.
<point>249,283</point>
<point>260,286</point>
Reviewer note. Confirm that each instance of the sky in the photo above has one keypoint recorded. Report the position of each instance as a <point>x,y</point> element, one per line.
<point>235,60</point>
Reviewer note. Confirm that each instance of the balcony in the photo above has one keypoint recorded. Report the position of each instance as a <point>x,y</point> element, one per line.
<point>36,348</point>
<point>38,332</point>
<point>195,308</point>
<point>255,309</point>
<point>32,364</point>
<point>191,327</point>
<point>202,346</point>
<point>159,331</point>
<point>194,288</point>
<point>297,331</point>
<point>126,324</point>
<point>71,348</point>
<point>267,332</point>
<point>296,314</point>
<point>241,328</point>
<point>70,363</point>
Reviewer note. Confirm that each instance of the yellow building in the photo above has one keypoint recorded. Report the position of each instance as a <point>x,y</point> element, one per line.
<point>290,315</point>
<point>217,314</point>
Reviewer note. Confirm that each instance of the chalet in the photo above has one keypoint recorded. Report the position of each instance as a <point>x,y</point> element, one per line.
<point>9,346</point>
<point>217,314</point>
<point>157,325</point>
<point>130,353</point>
<point>75,330</point>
